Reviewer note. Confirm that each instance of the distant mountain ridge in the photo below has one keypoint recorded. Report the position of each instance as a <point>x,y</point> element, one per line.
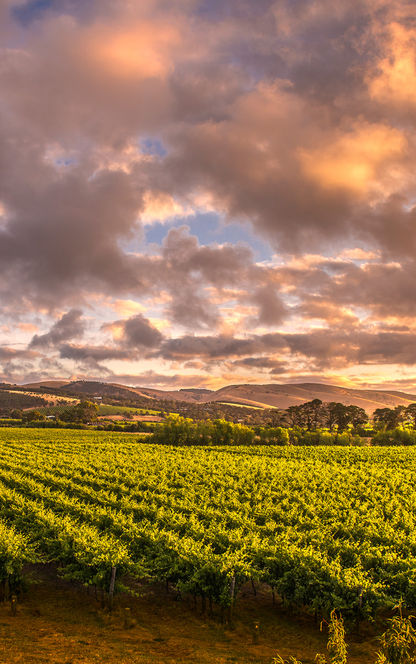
<point>271,395</point>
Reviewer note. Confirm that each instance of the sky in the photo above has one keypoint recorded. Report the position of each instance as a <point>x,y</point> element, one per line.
<point>196,193</point>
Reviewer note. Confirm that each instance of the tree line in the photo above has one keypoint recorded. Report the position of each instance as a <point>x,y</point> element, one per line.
<point>178,430</point>
<point>311,423</point>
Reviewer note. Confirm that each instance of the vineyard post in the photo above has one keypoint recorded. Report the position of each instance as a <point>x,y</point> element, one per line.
<point>231,605</point>
<point>127,618</point>
<point>112,584</point>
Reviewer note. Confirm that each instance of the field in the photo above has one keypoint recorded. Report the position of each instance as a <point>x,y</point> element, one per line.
<point>309,529</point>
<point>107,410</point>
<point>58,624</point>
<point>104,410</point>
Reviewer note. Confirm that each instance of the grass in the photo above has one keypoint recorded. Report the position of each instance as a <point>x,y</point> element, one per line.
<point>261,406</point>
<point>105,409</point>
<point>239,405</point>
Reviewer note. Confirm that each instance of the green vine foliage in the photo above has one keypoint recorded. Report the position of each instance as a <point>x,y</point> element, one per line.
<point>323,527</point>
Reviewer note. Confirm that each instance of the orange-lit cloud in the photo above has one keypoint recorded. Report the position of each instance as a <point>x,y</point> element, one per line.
<point>127,307</point>
<point>159,206</point>
<point>144,50</point>
<point>361,159</point>
<point>394,77</point>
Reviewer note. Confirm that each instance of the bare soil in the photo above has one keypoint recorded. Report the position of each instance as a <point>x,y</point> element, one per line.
<point>59,624</point>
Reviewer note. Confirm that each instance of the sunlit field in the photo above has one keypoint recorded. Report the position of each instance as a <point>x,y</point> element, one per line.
<point>320,528</point>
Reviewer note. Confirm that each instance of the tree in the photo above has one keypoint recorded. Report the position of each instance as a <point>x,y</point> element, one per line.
<point>33,416</point>
<point>296,416</point>
<point>83,412</point>
<point>313,413</point>
<point>411,413</point>
<point>389,418</point>
<point>341,416</point>
<point>87,411</point>
<point>338,416</point>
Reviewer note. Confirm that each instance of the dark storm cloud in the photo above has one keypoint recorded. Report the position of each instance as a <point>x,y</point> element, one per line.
<point>69,326</point>
<point>69,192</point>
<point>250,157</point>
<point>188,267</point>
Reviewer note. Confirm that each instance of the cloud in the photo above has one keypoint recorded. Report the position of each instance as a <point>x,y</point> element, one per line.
<point>354,159</point>
<point>219,347</point>
<point>191,309</point>
<point>292,118</point>
<point>271,308</point>
<point>94,353</point>
<point>7,354</point>
<point>70,325</point>
<point>138,332</point>
<point>263,363</point>
<point>393,79</point>
<point>163,381</point>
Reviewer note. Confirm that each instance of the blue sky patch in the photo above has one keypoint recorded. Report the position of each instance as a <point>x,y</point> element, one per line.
<point>152,146</point>
<point>209,228</point>
<point>32,10</point>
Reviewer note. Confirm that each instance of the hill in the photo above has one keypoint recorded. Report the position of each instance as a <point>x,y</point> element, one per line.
<point>271,395</point>
<point>283,396</point>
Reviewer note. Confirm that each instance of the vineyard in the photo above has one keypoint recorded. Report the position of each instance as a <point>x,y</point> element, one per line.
<point>321,528</point>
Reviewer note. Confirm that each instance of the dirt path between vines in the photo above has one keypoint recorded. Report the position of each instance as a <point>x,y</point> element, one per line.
<point>56,624</point>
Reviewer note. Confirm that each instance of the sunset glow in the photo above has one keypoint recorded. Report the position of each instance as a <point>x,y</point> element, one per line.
<point>197,193</point>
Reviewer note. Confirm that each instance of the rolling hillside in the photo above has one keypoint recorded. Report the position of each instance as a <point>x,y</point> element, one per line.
<point>264,396</point>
